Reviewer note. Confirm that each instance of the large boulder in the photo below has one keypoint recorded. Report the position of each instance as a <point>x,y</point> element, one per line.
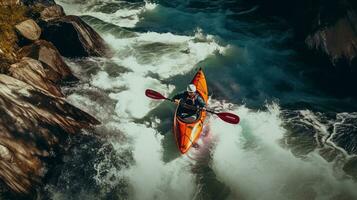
<point>339,40</point>
<point>31,72</point>
<point>52,12</point>
<point>56,69</point>
<point>29,29</point>
<point>74,38</point>
<point>327,25</point>
<point>34,126</point>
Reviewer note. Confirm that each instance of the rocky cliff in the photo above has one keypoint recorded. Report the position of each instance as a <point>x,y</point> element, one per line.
<point>328,26</point>
<point>35,119</point>
<point>325,36</point>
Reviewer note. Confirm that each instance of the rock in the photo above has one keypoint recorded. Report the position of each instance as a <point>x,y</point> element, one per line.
<point>74,38</point>
<point>52,12</point>
<point>43,2</point>
<point>327,25</point>
<point>56,69</point>
<point>338,41</point>
<point>31,72</point>
<point>33,123</point>
<point>4,65</point>
<point>5,154</point>
<point>9,2</point>
<point>29,29</point>
<point>26,2</point>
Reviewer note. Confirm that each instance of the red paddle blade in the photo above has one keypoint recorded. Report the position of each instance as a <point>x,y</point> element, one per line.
<point>153,94</point>
<point>229,117</point>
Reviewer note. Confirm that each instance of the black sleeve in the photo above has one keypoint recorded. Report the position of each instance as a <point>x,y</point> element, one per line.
<point>201,103</point>
<point>179,96</point>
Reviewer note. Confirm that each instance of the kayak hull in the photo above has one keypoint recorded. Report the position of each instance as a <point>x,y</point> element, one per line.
<point>187,134</point>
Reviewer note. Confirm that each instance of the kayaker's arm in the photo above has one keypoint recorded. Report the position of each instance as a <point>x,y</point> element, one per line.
<point>177,97</point>
<point>201,103</point>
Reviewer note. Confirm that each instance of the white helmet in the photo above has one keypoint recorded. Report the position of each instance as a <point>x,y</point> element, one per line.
<point>191,88</point>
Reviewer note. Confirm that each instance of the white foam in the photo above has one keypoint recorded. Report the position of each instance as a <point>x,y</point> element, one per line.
<point>178,55</point>
<point>150,177</point>
<point>308,117</point>
<point>132,102</point>
<point>150,5</point>
<point>124,17</point>
<point>249,159</point>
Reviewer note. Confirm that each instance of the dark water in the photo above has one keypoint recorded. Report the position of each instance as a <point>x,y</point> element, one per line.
<point>294,141</point>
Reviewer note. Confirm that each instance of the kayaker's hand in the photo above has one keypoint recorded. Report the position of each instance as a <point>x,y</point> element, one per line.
<point>204,108</point>
<point>176,101</point>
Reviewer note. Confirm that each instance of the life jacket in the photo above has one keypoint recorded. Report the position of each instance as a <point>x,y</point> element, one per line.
<point>191,101</point>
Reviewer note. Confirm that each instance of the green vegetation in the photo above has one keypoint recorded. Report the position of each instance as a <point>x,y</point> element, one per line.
<point>9,17</point>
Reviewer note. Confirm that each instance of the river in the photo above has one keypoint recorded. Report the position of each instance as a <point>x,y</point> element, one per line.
<point>293,141</point>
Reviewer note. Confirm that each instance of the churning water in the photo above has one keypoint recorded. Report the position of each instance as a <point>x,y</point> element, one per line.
<point>290,144</point>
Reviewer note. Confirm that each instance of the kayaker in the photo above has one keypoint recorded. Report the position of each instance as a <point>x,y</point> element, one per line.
<point>191,98</point>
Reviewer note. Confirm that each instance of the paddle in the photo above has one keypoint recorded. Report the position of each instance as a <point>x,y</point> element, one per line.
<point>225,116</point>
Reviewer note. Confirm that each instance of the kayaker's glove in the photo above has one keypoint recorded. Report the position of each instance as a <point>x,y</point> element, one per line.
<point>200,108</point>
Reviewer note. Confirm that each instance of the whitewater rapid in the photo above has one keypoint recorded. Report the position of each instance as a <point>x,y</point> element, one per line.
<point>248,159</point>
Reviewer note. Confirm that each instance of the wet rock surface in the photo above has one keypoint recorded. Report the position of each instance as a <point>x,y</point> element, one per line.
<point>9,2</point>
<point>52,12</point>
<point>31,72</point>
<point>29,29</point>
<point>33,125</point>
<point>328,26</point>
<point>338,41</point>
<point>80,39</point>
<point>44,51</point>
<point>36,122</point>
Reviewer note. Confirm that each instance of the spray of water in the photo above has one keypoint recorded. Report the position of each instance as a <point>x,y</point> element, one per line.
<point>246,158</point>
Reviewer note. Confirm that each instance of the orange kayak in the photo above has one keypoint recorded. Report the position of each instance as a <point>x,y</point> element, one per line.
<point>187,133</point>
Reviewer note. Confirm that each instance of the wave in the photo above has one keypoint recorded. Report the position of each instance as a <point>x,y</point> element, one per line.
<point>252,161</point>
<point>139,160</point>
<point>122,13</point>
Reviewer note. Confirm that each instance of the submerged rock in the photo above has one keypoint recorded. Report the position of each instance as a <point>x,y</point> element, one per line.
<point>31,72</point>
<point>74,38</point>
<point>34,125</point>
<point>29,29</point>
<point>56,69</point>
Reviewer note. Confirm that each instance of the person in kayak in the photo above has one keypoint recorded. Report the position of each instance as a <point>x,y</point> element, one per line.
<point>192,99</point>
